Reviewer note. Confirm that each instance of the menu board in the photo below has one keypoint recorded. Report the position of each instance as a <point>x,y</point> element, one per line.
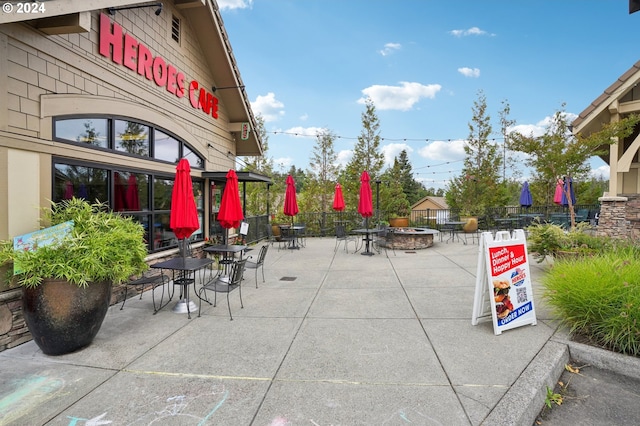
<point>504,280</point>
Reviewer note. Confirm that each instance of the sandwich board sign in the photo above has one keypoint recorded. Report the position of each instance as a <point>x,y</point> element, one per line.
<point>503,282</point>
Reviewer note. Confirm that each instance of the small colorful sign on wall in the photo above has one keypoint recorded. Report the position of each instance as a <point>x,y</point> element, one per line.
<point>44,237</point>
<point>504,277</point>
<point>244,131</point>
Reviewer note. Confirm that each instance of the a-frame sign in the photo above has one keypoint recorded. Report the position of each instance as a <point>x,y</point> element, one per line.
<point>503,282</point>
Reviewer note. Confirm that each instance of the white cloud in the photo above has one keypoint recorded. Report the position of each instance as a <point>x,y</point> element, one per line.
<point>603,172</point>
<point>283,163</point>
<point>301,132</point>
<point>268,106</point>
<point>392,150</point>
<point>469,72</point>
<point>389,48</point>
<point>443,150</point>
<point>344,157</point>
<point>471,31</point>
<point>401,97</point>
<point>235,4</point>
<point>539,128</point>
<point>304,117</point>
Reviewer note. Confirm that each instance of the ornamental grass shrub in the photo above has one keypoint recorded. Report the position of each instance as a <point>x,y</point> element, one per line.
<point>598,297</point>
<point>548,239</point>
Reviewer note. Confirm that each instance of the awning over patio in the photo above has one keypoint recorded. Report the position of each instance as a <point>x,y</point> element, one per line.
<point>242,176</point>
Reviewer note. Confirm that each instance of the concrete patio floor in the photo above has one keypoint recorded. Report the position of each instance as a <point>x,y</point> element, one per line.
<point>329,338</point>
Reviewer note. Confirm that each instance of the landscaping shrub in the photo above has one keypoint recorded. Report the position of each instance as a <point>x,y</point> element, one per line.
<point>598,297</point>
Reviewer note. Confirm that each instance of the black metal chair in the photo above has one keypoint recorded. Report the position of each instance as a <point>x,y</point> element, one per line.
<point>301,234</point>
<point>324,230</point>
<point>343,237</point>
<point>224,284</point>
<point>381,241</point>
<point>153,280</point>
<point>287,237</point>
<point>259,262</point>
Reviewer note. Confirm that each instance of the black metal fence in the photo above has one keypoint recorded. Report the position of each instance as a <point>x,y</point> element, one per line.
<point>324,223</point>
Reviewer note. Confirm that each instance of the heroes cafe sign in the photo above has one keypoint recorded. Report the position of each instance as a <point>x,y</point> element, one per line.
<point>126,50</point>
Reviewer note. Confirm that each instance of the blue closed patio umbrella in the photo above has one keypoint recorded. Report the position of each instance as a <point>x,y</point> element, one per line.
<point>525,196</point>
<point>568,188</point>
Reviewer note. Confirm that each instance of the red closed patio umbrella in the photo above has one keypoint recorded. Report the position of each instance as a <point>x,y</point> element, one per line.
<point>291,209</point>
<point>132,197</point>
<point>68,190</point>
<point>557,196</point>
<point>230,214</point>
<point>338,199</point>
<point>290,202</point>
<point>184,214</point>
<point>119,193</point>
<point>365,205</point>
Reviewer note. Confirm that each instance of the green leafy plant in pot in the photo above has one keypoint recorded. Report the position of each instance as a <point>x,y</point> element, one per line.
<point>67,285</point>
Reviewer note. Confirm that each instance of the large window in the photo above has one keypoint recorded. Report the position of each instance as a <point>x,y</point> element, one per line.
<point>145,197</point>
<point>92,131</point>
<point>126,136</point>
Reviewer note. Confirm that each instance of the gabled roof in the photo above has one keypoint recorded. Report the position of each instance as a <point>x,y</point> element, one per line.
<point>74,16</point>
<point>441,202</point>
<point>597,113</point>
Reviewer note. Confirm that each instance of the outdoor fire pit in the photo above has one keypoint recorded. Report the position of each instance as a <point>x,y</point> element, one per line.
<point>409,238</point>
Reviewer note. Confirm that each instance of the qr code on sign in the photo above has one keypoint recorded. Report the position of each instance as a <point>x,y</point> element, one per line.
<point>521,295</point>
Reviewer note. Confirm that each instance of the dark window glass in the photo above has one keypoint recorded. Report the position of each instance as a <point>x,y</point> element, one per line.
<point>130,192</point>
<point>162,189</point>
<point>89,183</point>
<point>131,137</point>
<point>193,158</point>
<point>166,147</point>
<point>163,235</point>
<point>92,131</point>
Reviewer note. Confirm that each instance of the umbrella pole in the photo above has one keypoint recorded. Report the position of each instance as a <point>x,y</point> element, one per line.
<point>366,251</point>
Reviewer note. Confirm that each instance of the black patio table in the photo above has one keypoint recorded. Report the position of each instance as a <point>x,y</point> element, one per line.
<point>367,233</point>
<point>454,226</point>
<point>227,251</point>
<point>183,273</point>
<point>291,232</point>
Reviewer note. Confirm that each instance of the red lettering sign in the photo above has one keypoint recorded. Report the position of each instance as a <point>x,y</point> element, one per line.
<point>126,50</point>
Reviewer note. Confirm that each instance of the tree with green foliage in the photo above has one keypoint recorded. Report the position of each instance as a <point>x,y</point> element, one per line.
<point>393,199</point>
<point>322,175</point>
<point>257,196</point>
<point>479,183</point>
<point>559,153</point>
<point>366,156</point>
<point>412,189</point>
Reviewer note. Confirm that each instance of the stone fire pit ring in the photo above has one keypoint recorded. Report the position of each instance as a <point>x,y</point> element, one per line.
<point>410,238</point>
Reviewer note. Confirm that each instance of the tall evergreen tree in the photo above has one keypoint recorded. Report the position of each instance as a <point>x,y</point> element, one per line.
<point>366,156</point>
<point>322,175</point>
<point>479,183</point>
<point>412,189</point>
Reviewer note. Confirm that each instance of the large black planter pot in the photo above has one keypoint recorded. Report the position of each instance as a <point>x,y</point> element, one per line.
<point>63,317</point>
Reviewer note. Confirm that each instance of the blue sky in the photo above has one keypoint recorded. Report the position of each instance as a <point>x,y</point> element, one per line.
<point>308,65</point>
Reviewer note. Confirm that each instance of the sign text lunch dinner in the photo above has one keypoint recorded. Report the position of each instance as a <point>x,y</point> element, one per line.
<point>126,50</point>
